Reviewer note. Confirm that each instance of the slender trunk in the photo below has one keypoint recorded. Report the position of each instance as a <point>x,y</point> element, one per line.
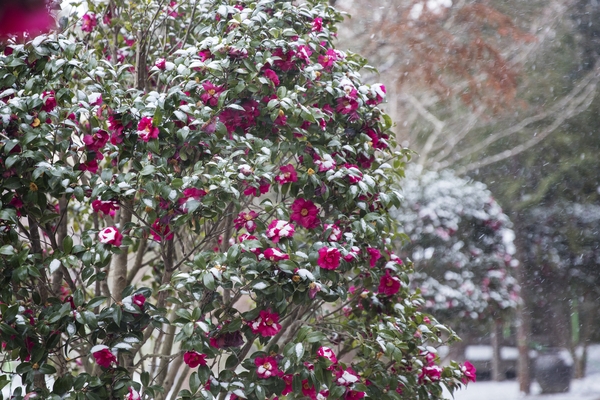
<point>119,267</point>
<point>496,337</point>
<point>523,321</point>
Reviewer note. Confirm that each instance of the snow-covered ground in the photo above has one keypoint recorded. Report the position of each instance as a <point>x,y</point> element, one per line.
<point>581,389</point>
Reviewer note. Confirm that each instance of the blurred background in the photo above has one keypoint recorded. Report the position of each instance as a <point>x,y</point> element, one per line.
<point>499,100</point>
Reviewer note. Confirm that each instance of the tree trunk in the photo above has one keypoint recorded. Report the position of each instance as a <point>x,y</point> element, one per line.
<point>496,338</point>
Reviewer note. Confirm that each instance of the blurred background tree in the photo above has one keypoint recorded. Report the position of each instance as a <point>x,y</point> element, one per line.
<point>505,93</point>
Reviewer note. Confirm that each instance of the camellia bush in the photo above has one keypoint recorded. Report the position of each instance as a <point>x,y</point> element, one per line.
<point>194,204</point>
<point>462,246</point>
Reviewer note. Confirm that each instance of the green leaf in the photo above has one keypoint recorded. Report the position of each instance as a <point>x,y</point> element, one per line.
<point>231,362</point>
<point>148,170</point>
<point>67,244</point>
<point>260,392</point>
<point>209,281</point>
<point>96,301</point>
<point>194,382</point>
<point>7,250</point>
<point>47,369</point>
<point>63,384</point>
<point>145,378</point>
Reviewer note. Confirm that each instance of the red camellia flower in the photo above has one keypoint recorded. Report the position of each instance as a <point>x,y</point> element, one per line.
<point>246,220</point>
<point>374,255</point>
<point>160,231</point>
<point>317,25</point>
<point>139,300</point>
<point>288,174</point>
<point>346,105</point>
<point>103,356</point>
<point>274,255</point>
<point>304,52</point>
<point>288,379</point>
<point>88,22</point>
<point>266,367</point>
<point>309,390</point>
<point>110,235</point>
<point>279,229</point>
<point>469,371</point>
<point>354,174</point>
<point>327,59</point>
<point>271,75</point>
<point>161,64</point>
<point>327,353</point>
<point>193,359</point>
<point>388,285</point>
<point>434,373</point>
<point>146,130</point>
<point>192,193</point>
<point>304,212</point>
<point>210,97</point>
<point>49,101</point>
<point>133,395</point>
<point>263,187</point>
<point>336,232</point>
<point>354,395</point>
<point>107,207</point>
<point>96,141</point>
<point>326,163</point>
<point>329,258</point>
<point>267,324</point>
<point>346,377</point>
<point>18,17</point>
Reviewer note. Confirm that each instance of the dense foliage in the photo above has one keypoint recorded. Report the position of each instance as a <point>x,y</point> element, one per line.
<point>194,205</point>
<point>462,247</point>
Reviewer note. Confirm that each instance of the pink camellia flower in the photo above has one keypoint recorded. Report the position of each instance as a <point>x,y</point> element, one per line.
<point>161,64</point>
<point>304,212</point>
<point>388,285</point>
<point>103,356</point>
<point>146,130</point>
<point>327,353</point>
<point>329,258</point>
<point>469,371</point>
<point>336,233</point>
<point>172,9</point>
<point>210,97</point>
<point>96,141</point>
<point>275,255</point>
<point>279,229</point>
<point>204,55</point>
<point>354,173</point>
<point>110,235</point>
<point>88,22</point>
<point>160,231</point>
<point>354,395</point>
<point>19,17</point>
<point>49,101</point>
<point>288,174</point>
<point>433,372</point>
<point>193,358</point>
<point>266,367</point>
<point>327,59</point>
<point>267,324</point>
<point>133,395</point>
<point>271,75</point>
<point>107,207</point>
<point>317,25</point>
<point>313,289</point>
<point>246,220</point>
<point>374,255</point>
<point>326,163</point>
<point>346,377</point>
